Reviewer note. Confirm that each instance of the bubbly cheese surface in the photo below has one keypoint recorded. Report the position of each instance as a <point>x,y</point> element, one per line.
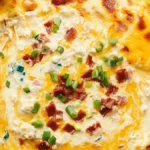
<point>29,54</point>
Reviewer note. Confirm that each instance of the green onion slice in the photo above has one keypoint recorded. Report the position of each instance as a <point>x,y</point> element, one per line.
<point>2,55</point>
<point>75,85</point>
<point>57,21</point>
<point>60,49</point>
<point>62,98</point>
<point>34,53</point>
<point>52,140</point>
<point>35,108</point>
<point>97,104</point>
<point>37,124</point>
<point>66,75</point>
<point>54,76</point>
<point>68,82</point>
<point>48,96</point>
<point>113,41</point>
<point>95,74</point>
<point>46,135</point>
<point>26,89</point>
<point>8,84</point>
<point>79,59</point>
<point>71,111</point>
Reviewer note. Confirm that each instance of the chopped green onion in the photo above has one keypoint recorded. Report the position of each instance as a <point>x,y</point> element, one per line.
<point>89,113</point>
<point>79,59</point>
<point>56,25</point>
<point>48,96</point>
<point>113,41</point>
<point>77,127</point>
<point>6,135</point>
<point>60,49</point>
<point>46,135</point>
<point>68,82</point>
<point>34,33</point>
<point>20,69</point>
<point>34,53</point>
<point>62,98</point>
<point>97,104</point>
<point>94,74</point>
<point>77,103</point>
<point>52,140</point>
<point>37,37</point>
<point>8,84</point>
<point>66,75</point>
<point>99,47</point>
<point>99,69</point>
<point>71,111</point>
<point>99,138</point>
<point>75,85</point>
<point>54,76</point>
<point>35,108</point>
<point>26,89</point>
<point>2,55</point>
<point>37,124</point>
<point>88,84</point>
<point>104,79</point>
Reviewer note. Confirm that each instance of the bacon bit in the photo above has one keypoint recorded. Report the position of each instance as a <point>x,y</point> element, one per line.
<point>21,141</point>
<point>69,128</point>
<point>53,124</point>
<point>59,115</point>
<point>51,109</point>
<point>121,27</point>
<point>81,115</point>
<point>35,45</point>
<point>43,38</point>
<point>108,103</point>
<point>81,1</point>
<point>62,80</point>
<point>59,89</point>
<point>71,34</point>
<point>105,111</point>
<point>29,60</point>
<point>39,57</point>
<point>125,49</point>
<point>93,128</point>
<point>87,75</point>
<point>44,146</point>
<point>147,36</point>
<point>29,5</point>
<point>59,2</point>
<point>112,90</point>
<point>122,75</point>
<point>90,61</point>
<point>141,24</point>
<point>109,5</point>
<point>48,25</point>
<point>148,147</point>
<point>130,16</point>
<point>80,95</point>
<point>121,100</point>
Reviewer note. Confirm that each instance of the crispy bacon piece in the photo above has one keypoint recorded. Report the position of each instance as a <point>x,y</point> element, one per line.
<point>122,75</point>
<point>112,90</point>
<point>29,60</point>
<point>53,124</point>
<point>81,115</point>
<point>129,16</point>
<point>87,75</point>
<point>141,24</point>
<point>59,115</point>
<point>121,100</point>
<point>148,147</point>
<point>104,111</point>
<point>93,128</point>
<point>90,61</point>
<point>44,146</point>
<point>59,2</point>
<point>125,49</point>
<point>80,95</point>
<point>48,25</point>
<point>71,34</point>
<point>21,141</point>
<point>109,5</point>
<point>35,45</point>
<point>51,109</point>
<point>108,103</point>
<point>69,128</point>
<point>121,27</point>
<point>147,36</point>
<point>59,89</point>
<point>44,38</point>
